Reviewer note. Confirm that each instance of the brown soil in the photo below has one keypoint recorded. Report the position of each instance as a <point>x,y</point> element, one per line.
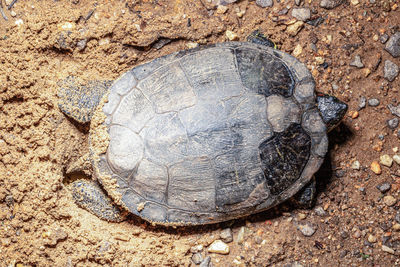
<point>41,226</point>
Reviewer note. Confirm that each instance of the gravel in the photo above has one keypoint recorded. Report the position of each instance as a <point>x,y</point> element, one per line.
<point>357,62</point>
<point>384,187</point>
<point>206,262</point>
<point>390,71</point>
<point>219,247</point>
<point>393,123</point>
<point>373,102</point>
<point>362,102</point>
<point>302,14</point>
<point>226,235</point>
<point>386,160</point>
<point>397,216</point>
<point>320,211</point>
<point>306,229</point>
<point>197,258</point>
<point>389,200</point>
<point>394,110</point>
<point>329,4</point>
<point>393,45</point>
<point>383,38</point>
<point>265,3</point>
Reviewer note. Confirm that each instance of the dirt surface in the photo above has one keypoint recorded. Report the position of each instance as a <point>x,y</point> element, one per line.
<point>43,42</point>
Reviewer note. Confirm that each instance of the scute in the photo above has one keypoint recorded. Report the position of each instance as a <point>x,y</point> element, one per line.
<point>210,134</point>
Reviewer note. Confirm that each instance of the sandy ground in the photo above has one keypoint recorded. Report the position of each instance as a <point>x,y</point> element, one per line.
<point>44,42</point>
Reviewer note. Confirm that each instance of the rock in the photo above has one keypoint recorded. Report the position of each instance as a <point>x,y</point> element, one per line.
<point>306,229</point>
<point>357,62</point>
<point>206,262</point>
<point>387,249</point>
<point>396,227</point>
<point>302,216</point>
<point>390,70</point>
<point>356,165</point>
<point>297,2</point>
<point>81,45</point>
<point>384,187</point>
<point>221,9</point>
<point>329,4</point>
<point>393,45</point>
<point>393,123</point>
<point>383,38</point>
<point>231,35</point>
<point>394,110</point>
<point>297,50</point>
<point>362,103</point>
<point>191,45</point>
<point>294,28</point>
<point>396,159</point>
<point>196,249</point>
<point>302,14</point>
<point>265,3</point>
<point>320,211</point>
<point>161,42</point>
<point>371,238</point>
<point>373,102</point>
<point>226,235</point>
<point>219,247</point>
<point>389,200</point>
<point>240,236</point>
<point>376,168</point>
<point>197,258</point>
<point>386,160</point>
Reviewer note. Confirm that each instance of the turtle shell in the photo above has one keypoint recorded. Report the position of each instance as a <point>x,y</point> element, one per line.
<point>210,134</point>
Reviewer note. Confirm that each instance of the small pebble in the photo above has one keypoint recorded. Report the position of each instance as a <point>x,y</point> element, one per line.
<point>218,247</point>
<point>221,9</point>
<point>389,200</point>
<point>302,14</point>
<point>390,70</point>
<point>393,45</point>
<point>371,238</point>
<point>12,13</point>
<point>384,187</point>
<point>197,258</point>
<point>330,4</point>
<point>302,216</point>
<point>191,45</point>
<point>320,211</point>
<point>396,227</point>
<point>393,123</point>
<point>196,249</point>
<point>362,102</point>
<point>265,3</point>
<point>306,229</point>
<point>297,50</point>
<point>376,168</point>
<point>356,165</point>
<point>373,102</point>
<point>383,38</point>
<point>396,159</point>
<point>386,160</point>
<point>294,28</point>
<point>395,110</point>
<point>206,262</point>
<point>357,62</point>
<point>387,249</point>
<point>226,235</point>
<point>240,236</point>
<point>231,35</point>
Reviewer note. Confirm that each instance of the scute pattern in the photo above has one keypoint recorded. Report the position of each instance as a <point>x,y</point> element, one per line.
<point>200,130</point>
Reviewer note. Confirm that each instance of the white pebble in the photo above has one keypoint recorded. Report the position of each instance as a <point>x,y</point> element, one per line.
<point>218,247</point>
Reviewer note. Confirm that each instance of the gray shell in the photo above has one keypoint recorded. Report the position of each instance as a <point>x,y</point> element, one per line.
<point>213,133</point>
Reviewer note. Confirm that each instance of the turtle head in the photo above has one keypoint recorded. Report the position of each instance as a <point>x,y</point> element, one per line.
<point>332,110</point>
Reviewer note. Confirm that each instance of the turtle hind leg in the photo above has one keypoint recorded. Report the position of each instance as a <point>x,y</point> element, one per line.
<point>306,197</point>
<point>90,196</point>
<point>257,37</point>
<point>78,100</point>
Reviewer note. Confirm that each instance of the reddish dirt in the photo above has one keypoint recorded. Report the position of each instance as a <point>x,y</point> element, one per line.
<point>41,226</point>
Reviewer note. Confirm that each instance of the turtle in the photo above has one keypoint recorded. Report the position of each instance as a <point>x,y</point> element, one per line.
<point>203,135</point>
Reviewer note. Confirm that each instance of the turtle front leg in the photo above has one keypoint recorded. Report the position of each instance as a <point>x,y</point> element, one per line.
<point>306,197</point>
<point>90,196</point>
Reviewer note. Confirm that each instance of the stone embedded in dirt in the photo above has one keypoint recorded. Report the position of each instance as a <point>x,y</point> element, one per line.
<point>81,44</point>
<point>329,4</point>
<point>231,35</point>
<point>371,238</point>
<point>356,165</point>
<point>219,247</point>
<point>302,14</point>
<point>357,62</point>
<point>376,168</point>
<point>240,236</point>
<point>320,211</point>
<point>206,262</point>
<point>390,71</point>
<point>197,258</point>
<point>265,3</point>
<point>222,9</point>
<point>384,187</point>
<point>394,110</point>
<point>294,28</point>
<point>389,200</point>
<point>393,123</point>
<point>387,249</point>
<point>306,229</point>
<point>396,158</point>
<point>297,2</point>
<point>396,227</point>
<point>196,249</point>
<point>383,38</point>
<point>297,50</point>
<point>397,217</point>
<point>226,235</point>
<point>373,102</point>
<point>362,103</point>
<point>386,160</point>
<point>393,45</point>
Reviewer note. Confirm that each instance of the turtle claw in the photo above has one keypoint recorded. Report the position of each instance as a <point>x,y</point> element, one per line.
<point>257,37</point>
<point>306,197</point>
<point>79,101</point>
<point>89,196</point>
